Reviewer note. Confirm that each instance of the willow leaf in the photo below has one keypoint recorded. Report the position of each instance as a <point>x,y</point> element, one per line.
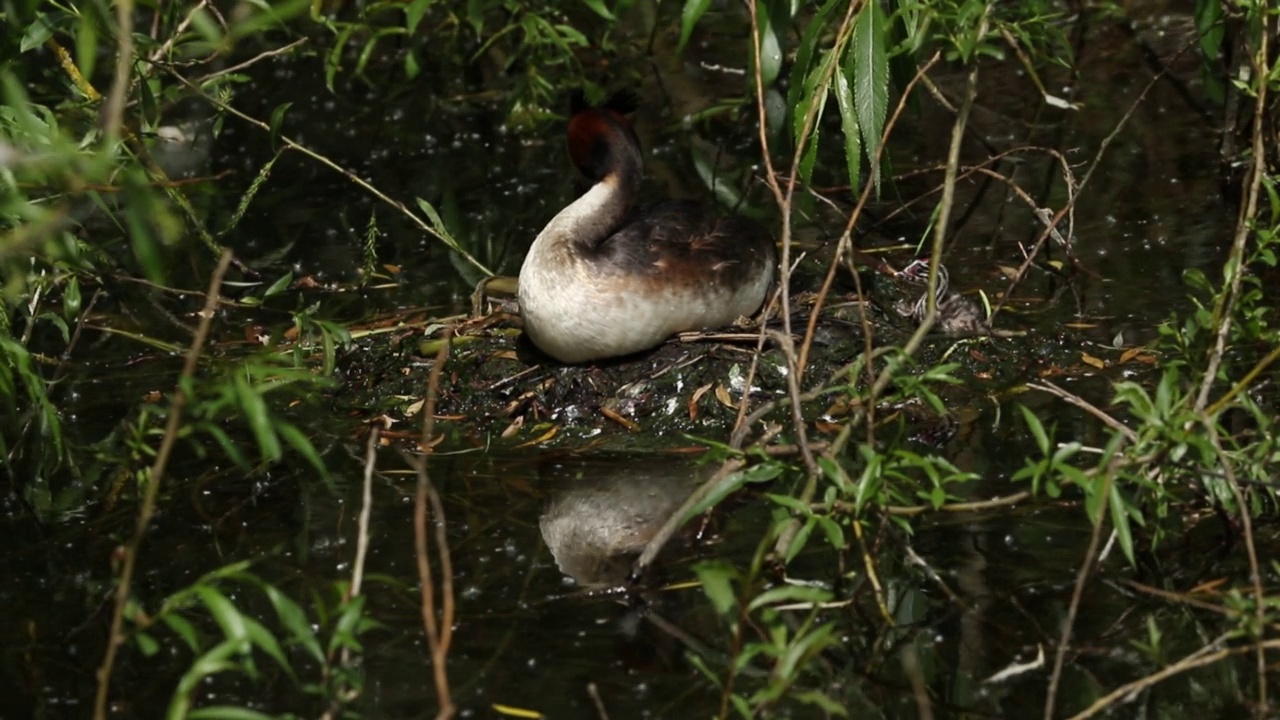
<point>849,128</point>
<point>689,16</point>
<point>870,70</point>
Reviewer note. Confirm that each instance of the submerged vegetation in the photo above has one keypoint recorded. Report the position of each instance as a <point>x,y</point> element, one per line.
<point>217,224</point>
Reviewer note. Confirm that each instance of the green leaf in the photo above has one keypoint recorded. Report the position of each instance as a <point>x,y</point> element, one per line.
<point>599,8</point>
<point>259,418</point>
<point>870,70</point>
<point>414,12</point>
<point>1120,520</point>
<point>801,649</point>
<point>717,578</point>
<point>37,32</point>
<point>225,613</point>
<point>146,644</point>
<point>770,51</point>
<point>1209,25</point>
<point>834,472</point>
<point>815,92</point>
<point>833,531</point>
<point>86,44</point>
<point>689,16</point>
<point>212,662</point>
<point>302,444</point>
<point>183,629</point>
<point>789,595</point>
<point>432,215</point>
<point>295,620</point>
<point>71,299</point>
<point>804,56</point>
<point>412,66</point>
<point>267,643</point>
<point>1036,428</point>
<point>720,491</point>
<point>849,129</point>
<point>799,540</point>
<point>277,119</point>
<point>279,286</point>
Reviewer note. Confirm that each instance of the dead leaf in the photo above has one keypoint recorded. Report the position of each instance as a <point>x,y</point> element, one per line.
<point>256,334</point>
<point>693,400</point>
<point>827,428</point>
<point>513,428</point>
<point>1091,360</point>
<point>722,394</point>
<point>1208,588</point>
<point>541,438</point>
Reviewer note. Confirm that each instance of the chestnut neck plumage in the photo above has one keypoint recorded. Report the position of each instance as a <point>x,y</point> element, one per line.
<point>606,151</point>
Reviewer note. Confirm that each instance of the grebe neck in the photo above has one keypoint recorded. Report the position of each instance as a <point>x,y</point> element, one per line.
<point>614,162</point>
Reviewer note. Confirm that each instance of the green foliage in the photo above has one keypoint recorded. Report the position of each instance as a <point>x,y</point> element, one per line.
<point>534,46</point>
<point>767,645</point>
<point>309,650</point>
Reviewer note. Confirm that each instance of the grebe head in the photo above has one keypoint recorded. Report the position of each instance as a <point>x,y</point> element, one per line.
<point>597,134</point>
<point>918,273</point>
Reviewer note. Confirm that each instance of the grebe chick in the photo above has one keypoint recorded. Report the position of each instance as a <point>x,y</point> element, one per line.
<point>957,314</point>
<point>605,279</point>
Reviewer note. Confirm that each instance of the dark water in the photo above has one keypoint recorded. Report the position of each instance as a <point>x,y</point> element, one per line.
<point>996,587</point>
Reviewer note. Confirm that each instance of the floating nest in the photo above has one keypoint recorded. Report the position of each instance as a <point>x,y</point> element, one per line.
<point>496,387</point>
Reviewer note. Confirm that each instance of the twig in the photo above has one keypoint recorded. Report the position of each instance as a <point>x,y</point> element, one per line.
<point>251,61</point>
<point>1197,659</point>
<point>439,631</point>
<point>1223,309</point>
<point>960,507</point>
<point>594,692</point>
<point>1077,594</point>
<point>182,27</point>
<point>846,237</point>
<point>116,636</point>
<point>783,202</point>
<point>349,175</point>
<point>366,508</point>
<point>1255,571</point>
<point>114,110</point>
<point>1088,407</point>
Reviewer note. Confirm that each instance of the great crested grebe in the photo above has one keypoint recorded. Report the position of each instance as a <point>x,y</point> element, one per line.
<point>957,314</point>
<point>605,279</point>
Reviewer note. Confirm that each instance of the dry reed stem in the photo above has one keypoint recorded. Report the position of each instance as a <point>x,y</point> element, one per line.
<point>439,631</point>
<point>115,638</point>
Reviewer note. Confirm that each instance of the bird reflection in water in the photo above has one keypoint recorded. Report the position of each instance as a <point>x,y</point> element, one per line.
<point>603,513</point>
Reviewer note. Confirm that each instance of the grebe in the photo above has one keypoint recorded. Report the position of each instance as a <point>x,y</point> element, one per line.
<point>957,314</point>
<point>605,279</point>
